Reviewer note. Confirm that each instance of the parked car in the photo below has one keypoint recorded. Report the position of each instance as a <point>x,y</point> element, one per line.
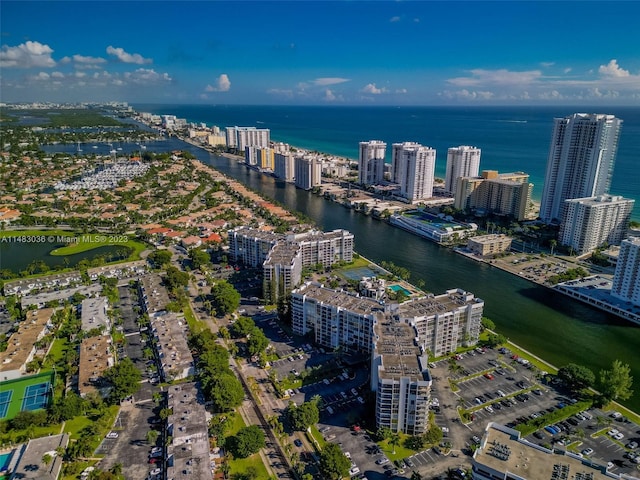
<point>112,435</point>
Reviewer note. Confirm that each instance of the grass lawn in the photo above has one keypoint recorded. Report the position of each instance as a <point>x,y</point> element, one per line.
<point>87,242</point>
<point>75,425</point>
<point>401,452</point>
<point>541,365</point>
<point>317,436</point>
<point>57,351</point>
<point>195,325</point>
<point>242,465</point>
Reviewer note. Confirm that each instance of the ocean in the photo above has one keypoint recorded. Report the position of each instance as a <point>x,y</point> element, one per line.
<point>511,138</point>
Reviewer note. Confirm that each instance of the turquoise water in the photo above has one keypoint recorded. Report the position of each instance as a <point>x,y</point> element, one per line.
<point>5,458</point>
<point>511,138</point>
<point>398,288</point>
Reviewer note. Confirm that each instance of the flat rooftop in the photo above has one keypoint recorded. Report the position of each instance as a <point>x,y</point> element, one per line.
<point>400,355</point>
<point>20,344</point>
<point>502,450</point>
<point>435,305</point>
<point>359,305</point>
<point>94,313</point>
<point>282,253</point>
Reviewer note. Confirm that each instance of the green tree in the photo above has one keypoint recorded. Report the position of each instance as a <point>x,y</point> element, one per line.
<point>242,327</point>
<point>433,436</point>
<point>160,258</point>
<point>257,341</point>
<point>124,378</point>
<point>303,416</point>
<point>333,463</point>
<point>577,377</point>
<point>615,384</point>
<point>224,297</point>
<point>248,441</point>
<point>200,258</point>
<point>152,436</point>
<point>488,324</point>
<point>176,279</point>
<point>224,390</point>
<point>394,441</point>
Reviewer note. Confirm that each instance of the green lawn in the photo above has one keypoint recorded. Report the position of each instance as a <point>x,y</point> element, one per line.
<point>87,242</point>
<point>241,465</point>
<point>401,452</point>
<point>75,425</point>
<point>57,351</point>
<point>195,325</point>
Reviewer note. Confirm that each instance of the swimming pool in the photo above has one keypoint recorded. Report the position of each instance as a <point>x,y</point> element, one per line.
<point>5,458</point>
<point>398,288</point>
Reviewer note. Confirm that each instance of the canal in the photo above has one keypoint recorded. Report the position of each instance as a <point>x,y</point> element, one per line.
<point>552,326</point>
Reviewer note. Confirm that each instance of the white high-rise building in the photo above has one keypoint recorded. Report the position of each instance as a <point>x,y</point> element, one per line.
<point>413,169</point>
<point>371,162</point>
<point>284,166</point>
<point>590,222</point>
<point>462,161</point>
<point>308,170</point>
<point>242,137</point>
<point>581,159</point>
<point>626,281</point>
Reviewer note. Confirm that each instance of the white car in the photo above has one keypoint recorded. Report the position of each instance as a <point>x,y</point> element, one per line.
<point>613,432</point>
<point>587,451</point>
<point>155,471</point>
<point>382,461</point>
<point>112,435</point>
<point>354,471</point>
<point>619,436</point>
<point>488,409</point>
<point>156,449</point>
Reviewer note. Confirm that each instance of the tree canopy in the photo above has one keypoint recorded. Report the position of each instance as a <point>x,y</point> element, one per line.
<point>257,341</point>
<point>577,377</point>
<point>616,383</point>
<point>175,279</point>
<point>333,463</point>
<point>248,440</point>
<point>160,257</point>
<point>224,390</point>
<point>225,299</point>
<point>124,378</point>
<point>200,258</point>
<point>303,416</point>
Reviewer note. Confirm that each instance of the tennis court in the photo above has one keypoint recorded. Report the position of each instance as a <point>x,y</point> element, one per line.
<point>25,393</point>
<point>5,400</point>
<point>358,273</point>
<point>36,396</point>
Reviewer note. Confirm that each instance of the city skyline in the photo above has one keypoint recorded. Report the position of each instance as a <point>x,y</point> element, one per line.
<point>320,53</point>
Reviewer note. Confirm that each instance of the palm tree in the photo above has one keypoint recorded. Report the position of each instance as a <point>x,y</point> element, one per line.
<point>553,243</point>
<point>394,441</point>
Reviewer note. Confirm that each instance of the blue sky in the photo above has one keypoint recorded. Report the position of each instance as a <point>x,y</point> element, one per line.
<point>317,53</point>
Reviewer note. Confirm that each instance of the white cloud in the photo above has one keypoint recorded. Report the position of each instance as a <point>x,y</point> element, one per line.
<point>80,74</point>
<point>57,75</point>
<point>223,84</point>
<point>373,90</point>
<point>145,76</point>
<point>567,70</point>
<point>326,81</point>
<point>465,94</point>
<point>27,55</point>
<point>501,77</point>
<point>401,90</point>
<point>547,64</point>
<point>281,92</point>
<point>125,57</point>
<point>612,69</point>
<point>394,19</point>
<point>42,76</point>
<point>329,96</point>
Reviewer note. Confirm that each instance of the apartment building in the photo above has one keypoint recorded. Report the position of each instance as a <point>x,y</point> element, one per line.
<point>486,245</point>
<point>503,454</point>
<point>462,161</point>
<point>581,159</point>
<point>96,356</point>
<point>187,427</point>
<point>170,341</point>
<point>241,137</point>
<point>371,162</point>
<point>284,166</point>
<point>496,193</point>
<point>308,171</point>
<point>401,379</point>
<point>251,246</point>
<point>444,322</point>
<point>282,270</point>
<point>626,281</point>
<point>21,346</point>
<point>93,314</point>
<point>413,169</point>
<point>336,318</point>
<point>590,222</point>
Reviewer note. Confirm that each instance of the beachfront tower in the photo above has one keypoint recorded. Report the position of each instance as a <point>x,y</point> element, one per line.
<point>371,162</point>
<point>413,169</point>
<point>462,161</point>
<point>581,159</point>
<point>626,281</point>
